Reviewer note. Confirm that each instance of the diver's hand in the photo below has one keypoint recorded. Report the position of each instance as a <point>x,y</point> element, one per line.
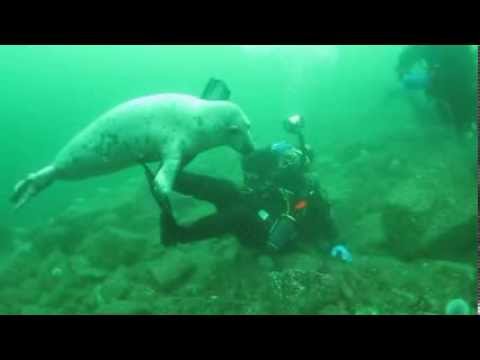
<point>341,252</point>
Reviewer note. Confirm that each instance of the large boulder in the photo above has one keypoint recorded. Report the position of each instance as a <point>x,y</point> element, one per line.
<point>172,270</point>
<point>114,288</point>
<point>424,217</point>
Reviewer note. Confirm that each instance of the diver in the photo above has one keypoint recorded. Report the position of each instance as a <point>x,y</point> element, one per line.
<point>279,206</point>
<point>447,73</point>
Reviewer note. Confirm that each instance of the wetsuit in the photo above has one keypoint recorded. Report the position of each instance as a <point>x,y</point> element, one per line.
<point>241,211</point>
<point>453,78</point>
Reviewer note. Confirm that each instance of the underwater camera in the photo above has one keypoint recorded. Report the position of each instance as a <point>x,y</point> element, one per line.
<point>294,124</point>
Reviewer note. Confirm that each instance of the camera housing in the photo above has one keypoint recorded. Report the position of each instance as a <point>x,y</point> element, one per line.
<point>294,124</point>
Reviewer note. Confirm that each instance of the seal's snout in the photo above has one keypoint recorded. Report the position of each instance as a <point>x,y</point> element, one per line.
<point>248,148</point>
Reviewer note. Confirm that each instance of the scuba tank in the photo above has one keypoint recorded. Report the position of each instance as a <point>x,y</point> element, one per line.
<point>284,230</point>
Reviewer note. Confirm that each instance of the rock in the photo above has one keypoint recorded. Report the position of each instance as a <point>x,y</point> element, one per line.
<point>403,230</point>
<point>19,268</point>
<point>67,231</point>
<point>112,247</point>
<point>333,310</point>
<point>266,262</point>
<point>407,298</point>
<point>171,271</point>
<point>426,216</point>
<point>33,310</point>
<point>352,152</point>
<point>115,287</point>
<point>109,219</point>
<point>15,298</point>
<point>225,250</point>
<point>295,291</point>
<point>142,294</point>
<point>53,271</point>
<point>82,268</point>
<point>347,291</point>
<point>6,240</point>
<point>367,311</point>
<point>123,307</point>
<point>365,235</point>
<point>301,261</point>
<point>57,272</point>
<point>210,262</point>
<point>57,236</point>
<point>54,259</point>
<point>457,243</point>
<point>80,215</point>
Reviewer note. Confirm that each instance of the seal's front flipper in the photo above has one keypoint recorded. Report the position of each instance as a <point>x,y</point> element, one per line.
<point>150,177</point>
<point>216,90</point>
<point>161,199</point>
<point>161,183</point>
<point>166,175</point>
<point>34,183</point>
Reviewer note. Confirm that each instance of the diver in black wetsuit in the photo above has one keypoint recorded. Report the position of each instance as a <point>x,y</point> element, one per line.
<point>449,78</point>
<point>272,193</point>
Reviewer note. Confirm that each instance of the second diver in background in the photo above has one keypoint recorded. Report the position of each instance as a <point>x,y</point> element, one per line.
<point>447,74</point>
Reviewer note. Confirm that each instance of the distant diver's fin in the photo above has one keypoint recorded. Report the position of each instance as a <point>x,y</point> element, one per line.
<point>216,90</point>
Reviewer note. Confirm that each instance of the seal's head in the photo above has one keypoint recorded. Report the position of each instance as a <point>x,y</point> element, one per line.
<point>224,123</point>
<point>240,139</point>
<point>237,130</point>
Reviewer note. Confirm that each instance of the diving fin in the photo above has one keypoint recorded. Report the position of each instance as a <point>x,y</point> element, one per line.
<point>216,90</point>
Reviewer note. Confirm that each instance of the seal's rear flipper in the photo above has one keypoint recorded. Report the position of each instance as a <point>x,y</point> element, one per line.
<point>34,183</point>
<point>216,90</point>
<point>22,192</point>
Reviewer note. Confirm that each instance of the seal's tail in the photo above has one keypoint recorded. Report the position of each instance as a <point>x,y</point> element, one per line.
<point>32,185</point>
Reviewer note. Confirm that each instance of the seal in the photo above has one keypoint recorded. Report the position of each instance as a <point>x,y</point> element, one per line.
<point>167,128</point>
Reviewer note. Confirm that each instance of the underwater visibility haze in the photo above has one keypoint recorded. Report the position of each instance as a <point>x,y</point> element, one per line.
<point>380,145</point>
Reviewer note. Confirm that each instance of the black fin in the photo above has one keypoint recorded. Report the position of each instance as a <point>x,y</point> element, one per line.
<point>216,90</point>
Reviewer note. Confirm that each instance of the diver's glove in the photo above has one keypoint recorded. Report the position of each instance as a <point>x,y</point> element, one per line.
<point>340,251</point>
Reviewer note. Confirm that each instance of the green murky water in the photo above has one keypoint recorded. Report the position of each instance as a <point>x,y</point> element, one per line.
<point>401,181</point>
